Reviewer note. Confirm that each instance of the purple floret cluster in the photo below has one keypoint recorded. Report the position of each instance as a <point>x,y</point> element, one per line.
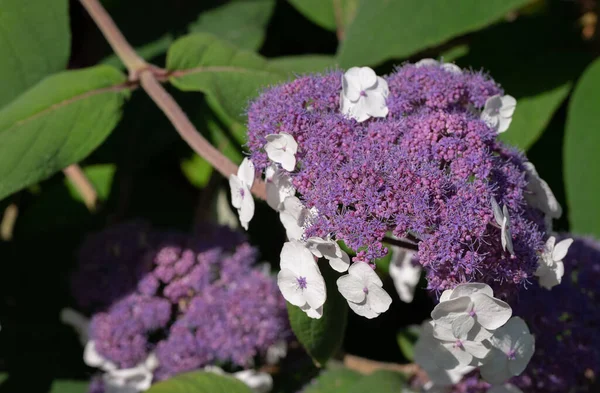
<point>428,170</point>
<point>191,300</point>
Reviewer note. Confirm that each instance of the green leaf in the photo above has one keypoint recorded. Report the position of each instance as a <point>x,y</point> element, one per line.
<point>407,337</point>
<point>384,29</point>
<point>322,337</point>
<point>327,13</point>
<point>34,41</point>
<point>303,64</point>
<point>243,23</point>
<point>334,381</point>
<point>56,123</point>
<point>200,382</point>
<point>582,161</point>
<point>69,387</point>
<point>381,381</point>
<point>101,176</point>
<point>201,62</point>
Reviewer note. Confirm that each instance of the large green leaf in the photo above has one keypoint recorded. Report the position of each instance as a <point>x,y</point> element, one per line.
<point>56,123</point>
<point>327,13</point>
<point>582,161</point>
<point>295,65</point>
<point>381,381</point>
<point>201,62</point>
<point>322,337</point>
<point>334,381</point>
<point>200,382</point>
<point>242,23</point>
<point>384,29</point>
<point>34,42</point>
<point>65,386</point>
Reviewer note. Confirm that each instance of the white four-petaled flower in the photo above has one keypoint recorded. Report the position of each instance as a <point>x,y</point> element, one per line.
<point>282,148</point>
<point>513,347</point>
<point>551,267</point>
<point>300,280</point>
<point>540,196</point>
<point>498,112</point>
<point>363,94</point>
<point>503,220</point>
<point>404,273</point>
<point>241,197</point>
<point>279,186</point>
<point>330,250</point>
<point>295,217</point>
<point>363,289</point>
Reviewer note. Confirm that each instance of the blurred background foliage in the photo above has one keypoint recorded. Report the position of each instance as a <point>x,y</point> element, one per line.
<point>58,107</point>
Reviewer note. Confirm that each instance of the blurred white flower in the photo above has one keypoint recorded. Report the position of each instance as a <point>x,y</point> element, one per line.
<point>540,196</point>
<point>551,267</point>
<point>404,273</point>
<point>78,322</point>
<point>450,67</point>
<point>282,148</point>
<point>241,197</point>
<point>294,216</point>
<point>363,94</point>
<point>498,112</point>
<point>503,220</point>
<point>426,63</point>
<point>364,291</point>
<point>258,381</point>
<point>279,186</point>
<point>92,358</point>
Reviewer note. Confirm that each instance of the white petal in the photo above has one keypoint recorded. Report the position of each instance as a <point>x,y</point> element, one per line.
<point>92,358</point>
<point>288,161</point>
<point>290,288</point>
<point>550,243</point>
<point>78,322</point>
<point>550,277</point>
<point>366,77</point>
<point>405,275</point>
<point>290,223</point>
<point>279,186</point>
<point>509,104</point>
<point>493,104</point>
<point>340,264</point>
<point>561,249</point>
<point>359,111</point>
<point>479,333</point>
<point>351,84</point>
<point>462,325</point>
<point>374,104</point>
<point>246,210</point>
<point>446,312</point>
<point>505,337</point>
<point>524,348</point>
<point>246,172</point>
<point>446,295</point>
<point>291,146</point>
<point>151,363</point>
<point>236,186</point>
<point>495,367</point>
<point>426,62</point>
<point>477,349</point>
<point>498,215</point>
<point>382,87</point>
<point>470,288</point>
<point>321,247</point>
<point>442,333</point>
<point>314,313</point>
<point>363,309</point>
<point>378,299</point>
<point>364,272</point>
<point>506,236</point>
<point>137,378</point>
<point>540,195</point>
<point>276,352</point>
<point>503,123</point>
<point>463,357</point>
<point>259,382</point>
<point>315,292</point>
<point>351,288</point>
<point>491,313</point>
<point>345,105</point>
<point>453,68</point>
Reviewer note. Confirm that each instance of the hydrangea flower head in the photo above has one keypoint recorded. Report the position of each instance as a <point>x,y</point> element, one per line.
<point>429,166</point>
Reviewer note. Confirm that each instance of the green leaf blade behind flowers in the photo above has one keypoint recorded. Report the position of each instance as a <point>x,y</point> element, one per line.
<point>384,29</point>
<point>201,62</point>
<point>581,158</point>
<point>200,382</point>
<point>56,123</point>
<point>334,381</point>
<point>381,381</point>
<point>327,13</point>
<point>243,23</point>
<point>35,41</point>
<point>303,64</point>
<point>66,386</point>
<point>321,338</point>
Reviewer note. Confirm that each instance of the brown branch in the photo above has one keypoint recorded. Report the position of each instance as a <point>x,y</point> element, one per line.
<point>339,19</point>
<point>147,75</point>
<point>367,366</point>
<point>115,38</point>
<point>401,243</point>
<point>9,219</point>
<point>84,186</point>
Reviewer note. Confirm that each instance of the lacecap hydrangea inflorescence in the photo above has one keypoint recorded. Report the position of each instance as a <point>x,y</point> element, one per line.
<point>162,303</point>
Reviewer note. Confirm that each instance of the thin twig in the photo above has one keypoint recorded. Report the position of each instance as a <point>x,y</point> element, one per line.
<point>367,366</point>
<point>401,243</point>
<point>84,186</point>
<point>9,219</point>
<point>115,38</point>
<point>339,19</point>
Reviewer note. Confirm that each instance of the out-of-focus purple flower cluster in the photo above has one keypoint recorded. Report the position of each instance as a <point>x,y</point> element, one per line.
<point>192,300</point>
<point>565,322</point>
<point>429,169</point>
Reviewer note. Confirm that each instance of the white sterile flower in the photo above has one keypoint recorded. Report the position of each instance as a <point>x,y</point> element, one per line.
<point>276,352</point>
<point>513,347</point>
<point>259,382</point>
<point>503,220</point>
<point>469,306</point>
<point>364,291</point>
<point>426,63</point>
<point>405,274</point>
<point>300,280</point>
<point>539,194</point>
<point>241,197</point>
<point>92,358</point>
<point>363,94</point>
<point>279,186</point>
<point>551,267</point>
<point>78,322</point>
<point>466,347</point>
<point>282,148</point>
<point>330,250</point>
<point>136,379</point>
<point>433,357</point>
<point>498,112</point>
<point>450,67</point>
<point>506,388</point>
<point>294,216</point>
